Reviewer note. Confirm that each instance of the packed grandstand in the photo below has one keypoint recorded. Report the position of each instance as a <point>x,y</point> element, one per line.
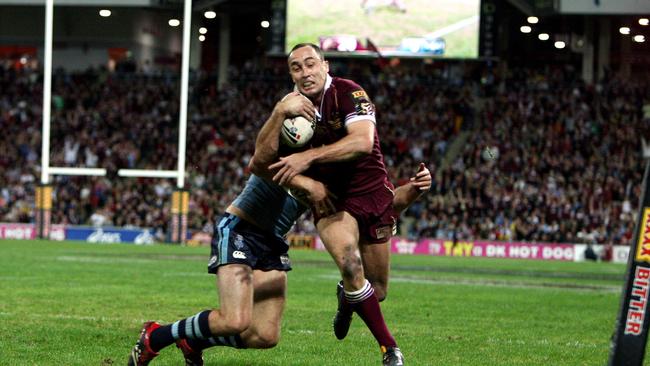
<point>518,154</point>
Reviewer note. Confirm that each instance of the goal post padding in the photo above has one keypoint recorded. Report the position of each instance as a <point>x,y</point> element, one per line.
<point>43,212</point>
<point>631,332</point>
<point>179,210</point>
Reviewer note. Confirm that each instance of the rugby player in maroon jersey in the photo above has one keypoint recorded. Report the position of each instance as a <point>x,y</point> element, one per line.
<point>347,158</point>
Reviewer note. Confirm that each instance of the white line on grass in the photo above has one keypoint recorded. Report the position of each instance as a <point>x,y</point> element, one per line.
<point>300,331</point>
<point>80,259</point>
<point>186,274</point>
<point>90,318</point>
<point>541,342</point>
<point>491,340</point>
<point>496,283</point>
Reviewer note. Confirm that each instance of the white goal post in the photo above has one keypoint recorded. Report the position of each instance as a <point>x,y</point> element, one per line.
<point>47,170</point>
<point>43,200</point>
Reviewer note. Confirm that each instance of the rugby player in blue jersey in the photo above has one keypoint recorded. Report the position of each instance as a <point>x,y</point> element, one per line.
<point>250,257</point>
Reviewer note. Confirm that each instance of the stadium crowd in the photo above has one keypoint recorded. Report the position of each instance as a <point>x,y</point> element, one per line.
<point>544,157</point>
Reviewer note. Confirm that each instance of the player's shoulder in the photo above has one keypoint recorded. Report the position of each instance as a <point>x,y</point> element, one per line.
<point>345,85</point>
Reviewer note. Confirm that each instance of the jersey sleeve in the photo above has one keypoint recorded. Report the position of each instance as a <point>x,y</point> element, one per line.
<point>356,105</point>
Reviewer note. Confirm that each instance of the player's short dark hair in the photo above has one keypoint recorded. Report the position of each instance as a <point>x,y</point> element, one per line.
<point>318,50</point>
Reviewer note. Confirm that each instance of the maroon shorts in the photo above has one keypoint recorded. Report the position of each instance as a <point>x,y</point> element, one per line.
<point>374,213</point>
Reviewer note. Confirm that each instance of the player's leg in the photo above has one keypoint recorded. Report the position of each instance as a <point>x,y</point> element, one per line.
<point>263,311</point>
<point>373,245</point>
<point>376,266</point>
<point>263,325</point>
<point>340,235</point>
<point>207,328</point>
<point>376,263</point>
<point>231,261</point>
<point>268,307</point>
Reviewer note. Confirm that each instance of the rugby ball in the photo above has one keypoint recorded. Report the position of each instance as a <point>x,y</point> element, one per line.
<point>297,131</point>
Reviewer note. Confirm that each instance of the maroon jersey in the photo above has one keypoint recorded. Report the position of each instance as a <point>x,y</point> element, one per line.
<point>344,102</point>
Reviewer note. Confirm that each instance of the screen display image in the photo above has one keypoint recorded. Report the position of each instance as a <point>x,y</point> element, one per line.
<point>441,28</point>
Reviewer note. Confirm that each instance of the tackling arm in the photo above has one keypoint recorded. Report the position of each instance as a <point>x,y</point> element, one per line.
<point>267,142</point>
<point>268,139</point>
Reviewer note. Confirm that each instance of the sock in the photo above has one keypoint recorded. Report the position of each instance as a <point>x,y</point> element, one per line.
<point>228,341</point>
<point>365,303</point>
<point>194,327</point>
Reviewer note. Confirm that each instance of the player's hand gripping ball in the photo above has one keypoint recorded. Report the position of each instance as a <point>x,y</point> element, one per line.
<point>297,131</point>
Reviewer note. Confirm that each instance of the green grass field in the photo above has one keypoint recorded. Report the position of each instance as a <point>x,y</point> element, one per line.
<point>66,303</point>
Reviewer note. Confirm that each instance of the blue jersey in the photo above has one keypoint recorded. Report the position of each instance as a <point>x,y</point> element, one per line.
<point>272,208</point>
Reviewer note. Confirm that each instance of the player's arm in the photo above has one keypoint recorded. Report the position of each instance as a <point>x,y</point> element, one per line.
<point>315,193</point>
<point>268,139</point>
<point>359,141</point>
<point>406,194</point>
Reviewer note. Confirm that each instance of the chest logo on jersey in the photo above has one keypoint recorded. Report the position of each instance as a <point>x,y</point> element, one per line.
<point>331,124</point>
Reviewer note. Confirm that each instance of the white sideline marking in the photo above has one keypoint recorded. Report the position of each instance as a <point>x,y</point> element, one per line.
<point>70,258</point>
<point>187,274</point>
<point>69,317</point>
<point>541,342</point>
<point>80,317</point>
<point>300,331</point>
<point>491,340</point>
<point>494,283</point>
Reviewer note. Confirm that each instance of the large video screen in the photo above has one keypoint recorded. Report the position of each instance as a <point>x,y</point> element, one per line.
<point>441,28</point>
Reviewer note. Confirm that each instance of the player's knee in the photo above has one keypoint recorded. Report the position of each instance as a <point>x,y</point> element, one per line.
<point>234,323</point>
<point>260,338</point>
<point>238,324</point>
<point>351,266</point>
<point>268,339</point>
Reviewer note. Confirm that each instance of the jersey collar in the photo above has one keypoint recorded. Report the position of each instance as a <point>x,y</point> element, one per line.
<point>328,83</point>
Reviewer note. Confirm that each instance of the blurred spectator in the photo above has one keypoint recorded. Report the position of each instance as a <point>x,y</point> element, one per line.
<point>547,157</point>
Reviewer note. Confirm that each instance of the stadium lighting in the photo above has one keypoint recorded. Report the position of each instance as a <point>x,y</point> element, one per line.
<point>644,21</point>
<point>201,38</point>
<point>104,13</point>
<point>174,22</point>
<point>624,30</point>
<point>210,14</point>
<point>543,36</point>
<point>639,38</point>
<point>560,44</point>
<point>265,24</point>
<point>203,30</point>
<point>533,20</point>
<point>525,29</point>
